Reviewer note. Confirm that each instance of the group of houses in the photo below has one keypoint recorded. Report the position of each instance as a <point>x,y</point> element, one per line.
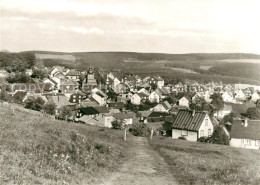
<point>90,102</point>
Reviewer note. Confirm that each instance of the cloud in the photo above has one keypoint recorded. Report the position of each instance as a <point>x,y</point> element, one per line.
<point>84,31</point>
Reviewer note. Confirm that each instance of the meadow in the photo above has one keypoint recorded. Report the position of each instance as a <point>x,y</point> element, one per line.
<point>39,150</point>
<point>202,163</point>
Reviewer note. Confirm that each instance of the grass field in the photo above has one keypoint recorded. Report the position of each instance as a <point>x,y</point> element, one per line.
<point>201,163</point>
<point>36,150</point>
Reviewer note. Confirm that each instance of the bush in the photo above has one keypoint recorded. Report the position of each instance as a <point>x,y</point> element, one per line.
<point>219,136</point>
<point>140,129</point>
<point>117,125</point>
<point>34,103</point>
<point>49,108</point>
<point>203,139</point>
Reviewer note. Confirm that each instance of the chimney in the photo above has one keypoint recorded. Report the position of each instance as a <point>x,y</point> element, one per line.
<point>193,112</point>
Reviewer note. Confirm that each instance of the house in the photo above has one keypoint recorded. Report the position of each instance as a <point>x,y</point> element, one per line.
<point>143,115</point>
<point>29,72</point>
<point>223,112</point>
<point>69,86</point>
<point>59,75</point>
<point>117,105</point>
<point>245,134</point>
<point>99,97</point>
<point>162,107</point>
<point>255,96</point>
<point>240,95</point>
<point>73,75</point>
<point>77,97</point>
<point>249,91</point>
<point>227,97</point>
<point>125,118</point>
<point>120,88</point>
<point>184,101</point>
<point>157,80</point>
<point>137,98</point>
<point>192,125</point>
<point>157,117</point>
<point>154,97</point>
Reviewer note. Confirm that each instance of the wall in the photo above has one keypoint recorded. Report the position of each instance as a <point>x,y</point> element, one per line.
<point>192,136</point>
<point>239,143</point>
<point>206,128</point>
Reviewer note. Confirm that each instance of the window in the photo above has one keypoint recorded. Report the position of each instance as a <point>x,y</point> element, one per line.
<point>206,122</point>
<point>247,141</point>
<point>209,132</point>
<point>202,133</point>
<point>74,100</point>
<point>184,132</point>
<point>256,142</point>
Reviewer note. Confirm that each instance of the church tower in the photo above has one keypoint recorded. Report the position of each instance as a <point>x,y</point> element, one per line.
<point>89,80</point>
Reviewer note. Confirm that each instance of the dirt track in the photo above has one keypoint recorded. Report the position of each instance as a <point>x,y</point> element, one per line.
<point>144,167</point>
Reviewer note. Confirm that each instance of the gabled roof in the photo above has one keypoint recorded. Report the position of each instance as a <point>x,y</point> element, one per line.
<point>101,109</point>
<point>252,131</point>
<point>185,121</point>
<point>166,105</point>
<point>20,95</point>
<point>142,95</point>
<point>158,114</point>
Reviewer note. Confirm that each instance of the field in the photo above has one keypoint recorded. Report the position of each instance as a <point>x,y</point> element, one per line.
<point>37,150</point>
<point>201,163</point>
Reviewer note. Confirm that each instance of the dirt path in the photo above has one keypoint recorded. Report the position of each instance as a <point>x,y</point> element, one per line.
<point>144,167</point>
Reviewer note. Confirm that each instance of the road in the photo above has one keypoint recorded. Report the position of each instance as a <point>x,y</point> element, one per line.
<point>144,167</point>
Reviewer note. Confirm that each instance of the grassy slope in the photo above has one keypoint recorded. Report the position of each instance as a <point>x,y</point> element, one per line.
<point>35,150</point>
<point>200,163</point>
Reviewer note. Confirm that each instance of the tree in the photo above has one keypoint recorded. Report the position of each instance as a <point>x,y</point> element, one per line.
<point>49,108</point>
<point>37,73</point>
<point>19,78</point>
<point>229,118</point>
<point>219,136</point>
<point>112,95</point>
<point>217,102</point>
<point>253,113</point>
<point>34,103</point>
<point>140,129</point>
<point>3,94</point>
<point>65,112</point>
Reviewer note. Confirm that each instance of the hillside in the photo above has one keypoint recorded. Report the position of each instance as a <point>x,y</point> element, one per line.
<point>202,163</point>
<point>227,67</point>
<point>37,150</point>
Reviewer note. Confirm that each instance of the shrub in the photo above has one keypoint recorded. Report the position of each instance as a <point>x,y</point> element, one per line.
<point>49,108</point>
<point>117,125</point>
<point>219,136</point>
<point>140,129</point>
<point>203,139</point>
<point>34,103</point>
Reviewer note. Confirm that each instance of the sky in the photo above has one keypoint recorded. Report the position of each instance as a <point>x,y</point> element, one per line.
<point>163,26</point>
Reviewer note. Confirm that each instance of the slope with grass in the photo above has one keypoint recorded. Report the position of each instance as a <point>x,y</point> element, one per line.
<point>201,163</point>
<point>38,150</point>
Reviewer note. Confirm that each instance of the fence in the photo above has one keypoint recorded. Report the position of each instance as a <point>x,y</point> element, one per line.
<point>15,107</point>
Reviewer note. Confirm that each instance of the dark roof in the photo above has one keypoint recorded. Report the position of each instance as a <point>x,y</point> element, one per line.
<point>88,111</point>
<point>19,95</point>
<point>102,109</point>
<point>184,120</point>
<point>123,116</point>
<point>118,105</point>
<point>158,114</point>
<point>73,73</point>
<point>252,131</point>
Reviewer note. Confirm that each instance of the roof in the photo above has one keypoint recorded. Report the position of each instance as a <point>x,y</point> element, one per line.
<point>118,105</point>
<point>142,95</point>
<point>166,105</point>
<point>250,132</point>
<point>185,121</point>
<point>122,116</point>
<point>88,111</point>
<point>158,114</point>
<point>19,95</point>
<point>102,109</point>
<point>73,73</point>
<point>60,100</point>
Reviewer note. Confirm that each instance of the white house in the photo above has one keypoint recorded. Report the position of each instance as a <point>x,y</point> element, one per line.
<point>162,107</point>
<point>192,125</point>
<point>240,95</point>
<point>137,98</point>
<point>100,97</point>
<point>184,102</point>
<point>125,118</point>
<point>227,97</point>
<point>154,97</point>
<point>245,134</point>
<point>255,96</point>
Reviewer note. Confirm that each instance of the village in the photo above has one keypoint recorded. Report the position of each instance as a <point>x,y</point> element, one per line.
<point>184,110</point>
